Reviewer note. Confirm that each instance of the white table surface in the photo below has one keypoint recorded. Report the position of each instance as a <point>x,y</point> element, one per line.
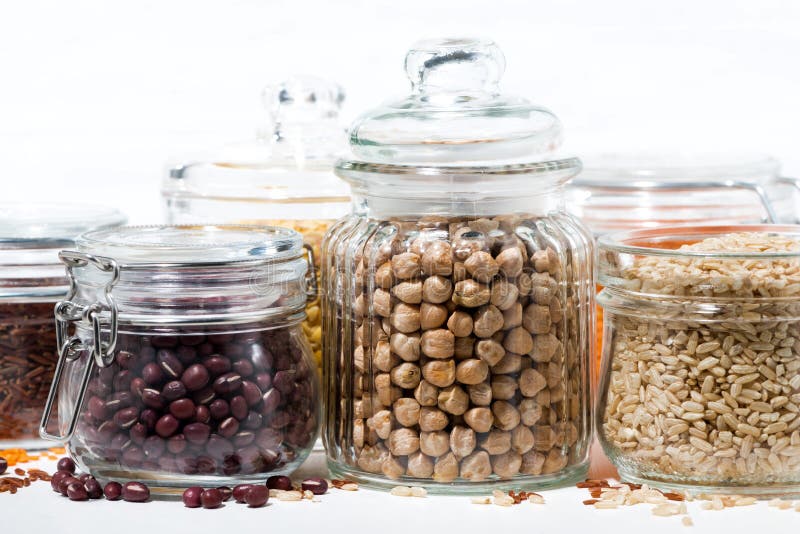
<point>37,509</point>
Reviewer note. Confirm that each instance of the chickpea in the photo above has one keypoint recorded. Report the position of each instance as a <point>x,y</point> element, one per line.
<point>543,397</point>
<point>476,466</point>
<point>536,319</point>
<point>479,419</point>
<point>543,289</point>
<point>432,315</point>
<point>546,261</point>
<point>504,295</point>
<point>524,284</point>
<point>471,294</point>
<point>384,277</point>
<point>531,382</point>
<point>466,242</point>
<point>459,272</point>
<point>358,433</point>
<point>387,393</point>
<point>419,465</point>
<point>496,442</point>
<point>480,394</point>
<point>432,419</point>
<point>481,266</point>
<point>405,318</point>
<point>437,290</point>
<point>460,323</point>
<point>382,302</point>
<point>406,375</point>
<point>406,411</point>
<point>545,347</point>
<point>434,443</point>
<point>384,360</point>
<point>453,400</point>
<point>438,343</point>
<point>440,373</point>
<point>437,259</point>
<point>472,371</point>
<point>487,321</point>
<point>490,351</point>
<point>403,441</point>
<point>518,341</point>
<point>360,306</point>
<point>510,262</point>
<point>405,346</point>
<point>462,441</point>
<point>406,265</point>
<point>393,468</point>
<point>504,387</point>
<point>506,416</point>
<point>358,359</point>
<point>506,465</point>
<point>372,457</point>
<point>446,468</point>
<point>521,439</point>
<point>512,317</point>
<point>464,347</point>
<point>555,461</point>
<point>532,463</point>
<point>543,438</point>
<point>426,394</point>
<point>408,292</point>
<point>508,364</point>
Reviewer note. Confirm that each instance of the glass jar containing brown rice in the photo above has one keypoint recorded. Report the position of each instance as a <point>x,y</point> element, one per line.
<point>459,295</point>
<point>701,377</point>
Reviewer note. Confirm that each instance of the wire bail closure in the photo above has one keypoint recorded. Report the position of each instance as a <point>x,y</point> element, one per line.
<point>311,275</point>
<point>100,316</point>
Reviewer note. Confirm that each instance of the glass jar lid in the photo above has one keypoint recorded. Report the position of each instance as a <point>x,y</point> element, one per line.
<point>192,244</point>
<point>38,225</point>
<point>643,169</point>
<point>193,274</point>
<point>455,114</point>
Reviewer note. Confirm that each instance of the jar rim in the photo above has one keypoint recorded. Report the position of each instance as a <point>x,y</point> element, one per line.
<point>200,245</point>
<point>633,242</point>
<point>642,170</point>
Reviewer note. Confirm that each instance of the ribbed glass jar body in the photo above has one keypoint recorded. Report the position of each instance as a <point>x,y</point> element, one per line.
<point>458,335</point>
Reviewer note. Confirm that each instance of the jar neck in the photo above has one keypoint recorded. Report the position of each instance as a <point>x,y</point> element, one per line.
<point>379,203</point>
<point>199,294</point>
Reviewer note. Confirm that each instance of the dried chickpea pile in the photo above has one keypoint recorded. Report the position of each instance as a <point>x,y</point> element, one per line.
<point>717,400</point>
<point>467,357</point>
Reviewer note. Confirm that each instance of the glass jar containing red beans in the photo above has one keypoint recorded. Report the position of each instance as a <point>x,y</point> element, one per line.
<point>182,358</point>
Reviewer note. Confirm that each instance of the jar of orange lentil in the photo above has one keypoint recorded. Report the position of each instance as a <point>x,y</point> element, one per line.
<point>282,178</point>
<point>32,280</point>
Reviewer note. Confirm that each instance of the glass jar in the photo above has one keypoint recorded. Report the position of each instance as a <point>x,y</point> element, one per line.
<point>701,380</point>
<point>282,178</point>
<point>32,280</point>
<point>185,343</point>
<point>459,294</point>
<point>621,192</point>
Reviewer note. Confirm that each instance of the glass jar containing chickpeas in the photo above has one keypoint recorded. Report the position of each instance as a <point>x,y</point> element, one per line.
<point>459,295</point>
<point>282,178</point>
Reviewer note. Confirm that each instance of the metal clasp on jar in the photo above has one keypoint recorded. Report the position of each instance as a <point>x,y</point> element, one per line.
<point>100,316</point>
<point>311,275</point>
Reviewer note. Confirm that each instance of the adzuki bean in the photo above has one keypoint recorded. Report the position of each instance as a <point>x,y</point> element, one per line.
<point>194,403</point>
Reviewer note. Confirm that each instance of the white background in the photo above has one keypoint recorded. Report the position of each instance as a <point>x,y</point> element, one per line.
<point>96,95</point>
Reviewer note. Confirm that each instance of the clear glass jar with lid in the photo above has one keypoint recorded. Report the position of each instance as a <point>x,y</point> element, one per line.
<point>32,280</point>
<point>701,377</point>
<point>459,294</point>
<point>619,192</point>
<point>182,359</point>
<point>284,177</point>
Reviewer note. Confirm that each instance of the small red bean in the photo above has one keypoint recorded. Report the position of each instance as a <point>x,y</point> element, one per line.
<point>135,492</point>
<point>191,497</point>
<point>76,492</point>
<point>279,482</point>
<point>240,491</point>
<point>113,491</point>
<point>211,498</point>
<point>66,464</point>
<point>256,496</point>
<point>317,486</point>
